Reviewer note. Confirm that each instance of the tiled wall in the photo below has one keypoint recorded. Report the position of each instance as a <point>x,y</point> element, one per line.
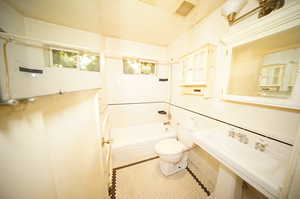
<point>127,94</point>
<point>206,164</point>
<point>136,114</point>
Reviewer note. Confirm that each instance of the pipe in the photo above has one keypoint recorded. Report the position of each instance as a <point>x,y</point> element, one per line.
<point>10,101</point>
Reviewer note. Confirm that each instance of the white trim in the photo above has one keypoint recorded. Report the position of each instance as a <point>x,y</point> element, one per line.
<point>282,103</point>
<point>292,172</point>
<point>280,20</point>
<point>78,54</point>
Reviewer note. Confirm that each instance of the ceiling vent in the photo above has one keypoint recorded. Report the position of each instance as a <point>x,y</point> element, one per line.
<point>185,8</point>
<point>150,2</point>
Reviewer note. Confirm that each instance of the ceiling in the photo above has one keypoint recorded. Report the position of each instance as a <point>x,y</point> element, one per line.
<point>154,22</point>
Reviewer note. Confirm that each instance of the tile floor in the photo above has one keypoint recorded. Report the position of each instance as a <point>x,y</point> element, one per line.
<point>145,181</point>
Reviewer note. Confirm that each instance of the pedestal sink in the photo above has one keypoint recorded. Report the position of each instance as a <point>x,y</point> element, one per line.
<point>260,169</point>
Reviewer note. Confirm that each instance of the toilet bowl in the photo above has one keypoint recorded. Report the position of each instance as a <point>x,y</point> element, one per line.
<point>173,157</point>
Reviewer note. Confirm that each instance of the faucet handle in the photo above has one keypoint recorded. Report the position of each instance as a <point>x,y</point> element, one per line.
<point>261,145</point>
<point>240,135</point>
<point>242,138</point>
<point>245,139</point>
<point>257,145</point>
<point>231,133</point>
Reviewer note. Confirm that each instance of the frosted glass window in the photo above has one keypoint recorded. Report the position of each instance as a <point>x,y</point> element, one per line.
<point>194,68</point>
<point>188,69</point>
<point>199,68</point>
<point>147,68</point>
<point>67,59</point>
<point>131,66</point>
<point>137,67</point>
<point>89,63</point>
<point>72,59</point>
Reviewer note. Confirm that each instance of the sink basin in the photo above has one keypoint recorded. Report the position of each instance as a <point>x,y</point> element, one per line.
<point>260,169</point>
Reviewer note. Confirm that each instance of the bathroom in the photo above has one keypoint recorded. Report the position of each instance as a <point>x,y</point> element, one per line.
<point>150,99</point>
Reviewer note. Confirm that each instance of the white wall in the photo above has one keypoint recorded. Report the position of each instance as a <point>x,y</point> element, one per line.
<point>51,32</point>
<point>137,114</point>
<point>50,148</point>
<point>278,123</point>
<point>120,47</point>
<point>10,20</point>
<point>124,88</point>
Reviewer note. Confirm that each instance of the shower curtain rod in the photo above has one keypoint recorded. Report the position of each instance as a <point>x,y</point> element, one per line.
<point>43,44</point>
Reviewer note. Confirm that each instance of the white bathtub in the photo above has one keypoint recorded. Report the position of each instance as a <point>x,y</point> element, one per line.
<point>136,143</point>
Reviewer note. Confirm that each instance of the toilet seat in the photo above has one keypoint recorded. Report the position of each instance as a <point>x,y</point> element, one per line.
<point>169,146</point>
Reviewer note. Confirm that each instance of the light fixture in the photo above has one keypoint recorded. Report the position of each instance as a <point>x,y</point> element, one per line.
<point>232,7</point>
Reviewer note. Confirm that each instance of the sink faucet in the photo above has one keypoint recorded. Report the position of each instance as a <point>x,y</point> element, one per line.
<point>231,133</point>
<point>261,146</point>
<point>243,138</point>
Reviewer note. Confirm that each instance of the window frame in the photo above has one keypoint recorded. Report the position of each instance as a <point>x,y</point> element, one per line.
<point>90,54</point>
<point>66,50</point>
<point>78,55</point>
<point>140,60</point>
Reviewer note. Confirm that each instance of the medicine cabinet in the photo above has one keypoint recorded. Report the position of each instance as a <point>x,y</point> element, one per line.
<point>263,62</point>
<point>197,70</point>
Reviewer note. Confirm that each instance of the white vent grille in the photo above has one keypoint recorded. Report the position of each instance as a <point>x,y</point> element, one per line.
<point>185,8</point>
<point>150,2</point>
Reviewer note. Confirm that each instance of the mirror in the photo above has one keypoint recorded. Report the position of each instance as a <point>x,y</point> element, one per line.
<point>267,67</point>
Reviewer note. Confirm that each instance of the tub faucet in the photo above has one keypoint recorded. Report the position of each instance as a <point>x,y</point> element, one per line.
<point>167,123</point>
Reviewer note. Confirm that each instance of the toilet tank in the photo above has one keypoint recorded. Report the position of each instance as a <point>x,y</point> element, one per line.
<point>185,133</point>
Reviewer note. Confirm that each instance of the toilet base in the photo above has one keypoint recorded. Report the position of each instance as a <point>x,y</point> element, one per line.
<point>168,168</point>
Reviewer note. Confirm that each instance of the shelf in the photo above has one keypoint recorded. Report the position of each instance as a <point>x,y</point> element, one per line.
<point>194,94</point>
<point>270,85</point>
<point>193,85</point>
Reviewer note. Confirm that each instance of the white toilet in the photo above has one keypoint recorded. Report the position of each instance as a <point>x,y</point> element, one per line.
<point>173,153</point>
<point>173,157</point>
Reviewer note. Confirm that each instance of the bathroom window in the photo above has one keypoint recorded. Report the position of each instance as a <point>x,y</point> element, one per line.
<point>147,68</point>
<point>131,66</point>
<point>62,58</point>
<point>72,59</point>
<point>136,66</point>
<point>89,63</point>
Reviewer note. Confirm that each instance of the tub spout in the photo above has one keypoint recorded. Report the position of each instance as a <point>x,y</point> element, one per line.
<point>167,123</point>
